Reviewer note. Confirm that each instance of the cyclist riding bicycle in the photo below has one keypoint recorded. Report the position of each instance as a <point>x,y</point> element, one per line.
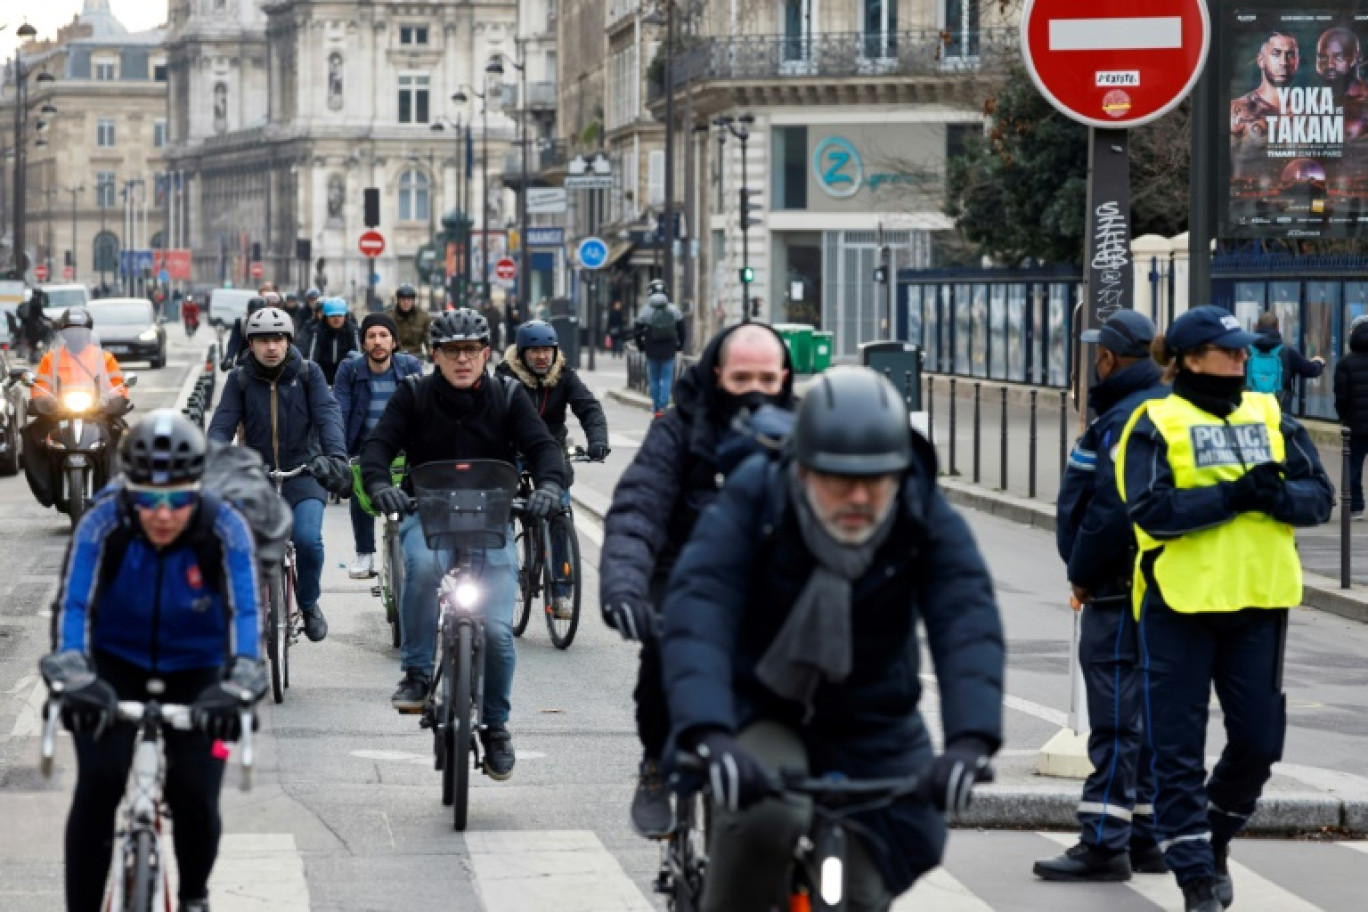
<point>159,584</point>
<point>334,339</point>
<point>536,361</point>
<point>460,411</point>
<point>291,419</point>
<point>412,322</point>
<point>235,349</point>
<point>790,642</point>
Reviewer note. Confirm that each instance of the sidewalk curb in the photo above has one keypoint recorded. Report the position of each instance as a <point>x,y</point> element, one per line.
<point>631,398</point>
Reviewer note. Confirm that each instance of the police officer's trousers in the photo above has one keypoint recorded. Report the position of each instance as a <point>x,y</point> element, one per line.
<point>1183,656</point>
<point>1117,806</point>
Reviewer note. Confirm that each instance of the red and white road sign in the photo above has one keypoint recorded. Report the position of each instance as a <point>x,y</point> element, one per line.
<point>68,272</point>
<point>40,272</point>
<point>505,270</point>
<point>1115,63</point>
<point>257,270</point>
<point>372,244</point>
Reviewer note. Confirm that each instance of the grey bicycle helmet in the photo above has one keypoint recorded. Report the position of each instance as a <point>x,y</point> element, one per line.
<point>269,321</point>
<point>853,422</point>
<point>164,449</point>
<point>460,325</point>
<point>77,317</point>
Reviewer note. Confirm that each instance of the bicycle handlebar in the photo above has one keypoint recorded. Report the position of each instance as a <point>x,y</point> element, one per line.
<point>286,474</point>
<point>579,454</point>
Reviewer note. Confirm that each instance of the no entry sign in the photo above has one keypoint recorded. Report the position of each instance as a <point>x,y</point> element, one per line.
<point>372,244</point>
<point>1115,64</point>
<point>505,270</point>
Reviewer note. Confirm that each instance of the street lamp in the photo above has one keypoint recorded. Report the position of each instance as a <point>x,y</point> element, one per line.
<point>74,191</point>
<point>667,236</point>
<point>21,106</point>
<point>524,252</point>
<point>493,68</point>
<point>739,127</point>
<point>462,201</point>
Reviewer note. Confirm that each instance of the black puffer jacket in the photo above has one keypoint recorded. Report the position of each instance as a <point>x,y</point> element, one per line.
<point>1351,383</point>
<point>674,477</point>
<point>328,347</point>
<point>552,393</point>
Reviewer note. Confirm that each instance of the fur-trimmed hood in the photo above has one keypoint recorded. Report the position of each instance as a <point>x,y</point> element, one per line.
<point>519,370</point>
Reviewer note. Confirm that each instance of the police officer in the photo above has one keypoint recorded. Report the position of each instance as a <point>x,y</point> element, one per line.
<point>851,543</point>
<point>1095,540</point>
<point>1215,479</point>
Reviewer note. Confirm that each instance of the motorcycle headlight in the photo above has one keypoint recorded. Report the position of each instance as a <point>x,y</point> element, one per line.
<point>77,401</point>
<point>148,335</point>
<point>467,594</point>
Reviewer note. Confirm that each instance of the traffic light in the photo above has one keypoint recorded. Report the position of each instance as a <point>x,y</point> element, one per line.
<point>747,274</point>
<point>256,251</point>
<point>372,207</point>
<point>748,207</point>
<point>880,275</point>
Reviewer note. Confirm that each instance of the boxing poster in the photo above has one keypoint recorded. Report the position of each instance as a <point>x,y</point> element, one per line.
<point>1298,161</point>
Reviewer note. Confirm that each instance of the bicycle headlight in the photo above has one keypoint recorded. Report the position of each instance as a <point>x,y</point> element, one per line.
<point>833,878</point>
<point>467,594</point>
<point>77,401</point>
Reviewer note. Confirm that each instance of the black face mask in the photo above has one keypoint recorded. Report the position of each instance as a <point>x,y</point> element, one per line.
<point>1211,393</point>
<point>728,406</point>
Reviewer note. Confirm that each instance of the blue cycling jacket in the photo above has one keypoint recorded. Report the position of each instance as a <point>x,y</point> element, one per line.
<point>161,611</point>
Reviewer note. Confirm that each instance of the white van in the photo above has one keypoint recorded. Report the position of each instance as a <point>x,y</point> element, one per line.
<point>60,297</point>
<point>227,305</point>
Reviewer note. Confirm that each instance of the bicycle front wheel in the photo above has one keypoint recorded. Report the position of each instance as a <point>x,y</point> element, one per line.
<point>141,884</point>
<point>392,586</point>
<point>528,573</point>
<point>462,667</point>
<point>275,639</point>
<point>565,575</point>
<point>287,618</point>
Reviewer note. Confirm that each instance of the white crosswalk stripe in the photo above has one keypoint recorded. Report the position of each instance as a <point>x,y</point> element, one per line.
<point>565,870</point>
<point>939,890</point>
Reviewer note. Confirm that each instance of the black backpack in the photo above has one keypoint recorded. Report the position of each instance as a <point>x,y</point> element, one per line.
<point>661,326</point>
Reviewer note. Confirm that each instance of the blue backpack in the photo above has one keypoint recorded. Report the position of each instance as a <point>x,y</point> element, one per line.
<point>1264,372</point>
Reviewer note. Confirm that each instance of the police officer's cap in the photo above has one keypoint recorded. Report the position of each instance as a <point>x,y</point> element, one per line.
<point>1126,334</point>
<point>1207,325</point>
<point>853,422</point>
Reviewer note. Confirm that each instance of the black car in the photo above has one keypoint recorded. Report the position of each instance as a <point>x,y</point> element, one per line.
<point>128,329</point>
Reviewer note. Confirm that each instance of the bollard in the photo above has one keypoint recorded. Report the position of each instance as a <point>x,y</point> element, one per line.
<point>1346,517</point>
<point>978,429</point>
<point>1063,430</point>
<point>953,410</point>
<point>1004,440</point>
<point>931,409</point>
<point>1031,466</point>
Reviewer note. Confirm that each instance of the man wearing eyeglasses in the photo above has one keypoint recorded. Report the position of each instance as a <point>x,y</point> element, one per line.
<point>159,584</point>
<point>460,411</point>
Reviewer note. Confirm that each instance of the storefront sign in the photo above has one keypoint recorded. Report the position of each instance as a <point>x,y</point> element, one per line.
<point>545,237</point>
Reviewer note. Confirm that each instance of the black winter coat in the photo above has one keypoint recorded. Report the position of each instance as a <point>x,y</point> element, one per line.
<point>1351,384</point>
<point>328,347</point>
<point>734,587</point>
<point>675,475</point>
<point>553,393</point>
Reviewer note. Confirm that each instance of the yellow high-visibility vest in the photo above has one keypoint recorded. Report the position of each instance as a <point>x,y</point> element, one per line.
<point>1250,561</point>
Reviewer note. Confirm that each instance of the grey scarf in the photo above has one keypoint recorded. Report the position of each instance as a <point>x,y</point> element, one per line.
<point>815,641</point>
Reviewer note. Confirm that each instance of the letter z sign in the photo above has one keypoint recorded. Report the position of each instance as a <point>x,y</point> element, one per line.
<point>1103,65</point>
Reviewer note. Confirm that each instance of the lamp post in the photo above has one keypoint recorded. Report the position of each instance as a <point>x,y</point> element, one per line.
<point>101,189</point>
<point>667,235</point>
<point>462,276</point>
<point>493,68</point>
<point>740,128</point>
<point>74,191</point>
<point>524,252</point>
<point>21,105</point>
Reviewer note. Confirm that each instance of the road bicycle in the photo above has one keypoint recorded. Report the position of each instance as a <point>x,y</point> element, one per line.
<point>538,574</point>
<point>817,882</point>
<point>465,509</point>
<point>138,879</point>
<point>282,616</point>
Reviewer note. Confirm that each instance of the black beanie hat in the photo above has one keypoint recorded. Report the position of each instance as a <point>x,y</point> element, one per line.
<point>379,319</point>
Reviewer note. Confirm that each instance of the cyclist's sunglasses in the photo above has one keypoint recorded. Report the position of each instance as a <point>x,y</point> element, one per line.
<point>149,498</point>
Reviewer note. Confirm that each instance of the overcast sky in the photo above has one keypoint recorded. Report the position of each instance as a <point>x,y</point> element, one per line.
<point>49,15</point>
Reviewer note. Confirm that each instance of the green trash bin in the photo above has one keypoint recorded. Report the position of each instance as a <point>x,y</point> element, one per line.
<point>798,338</point>
<point>822,343</point>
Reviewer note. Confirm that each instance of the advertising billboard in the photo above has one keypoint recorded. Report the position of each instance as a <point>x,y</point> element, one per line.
<point>1293,76</point>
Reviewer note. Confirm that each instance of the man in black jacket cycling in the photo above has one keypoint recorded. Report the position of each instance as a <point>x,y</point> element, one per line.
<point>460,411</point>
<point>678,471</point>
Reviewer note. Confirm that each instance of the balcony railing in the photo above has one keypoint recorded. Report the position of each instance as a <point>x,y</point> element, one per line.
<point>842,55</point>
<point>540,95</point>
<point>542,156</point>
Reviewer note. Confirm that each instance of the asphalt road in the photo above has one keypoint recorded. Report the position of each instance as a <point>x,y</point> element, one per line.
<point>345,813</point>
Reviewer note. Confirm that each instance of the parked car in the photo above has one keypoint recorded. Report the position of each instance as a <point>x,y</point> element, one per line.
<point>60,297</point>
<point>128,329</point>
<point>228,305</point>
<point>13,415</point>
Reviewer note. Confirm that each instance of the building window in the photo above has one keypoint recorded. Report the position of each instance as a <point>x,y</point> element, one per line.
<point>413,34</point>
<point>655,178</point>
<point>159,72</point>
<point>106,250</point>
<point>158,134</point>
<point>961,28</point>
<point>104,71</point>
<point>104,133</point>
<point>957,138</point>
<point>789,188</point>
<point>413,99</point>
<point>413,196</point>
<point>104,189</point>
<point>880,26</point>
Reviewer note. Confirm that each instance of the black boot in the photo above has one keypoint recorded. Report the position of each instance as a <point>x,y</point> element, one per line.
<point>1200,896</point>
<point>652,815</point>
<point>1225,887</point>
<point>1146,858</point>
<point>412,692</point>
<point>1085,864</point>
<point>499,755</point>
<point>315,625</point>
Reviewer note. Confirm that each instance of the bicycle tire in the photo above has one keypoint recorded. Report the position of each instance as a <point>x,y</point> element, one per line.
<point>273,638</point>
<point>394,561</point>
<point>446,717</point>
<point>527,591</point>
<point>463,667</point>
<point>563,631</point>
<point>287,637</point>
<point>142,884</point>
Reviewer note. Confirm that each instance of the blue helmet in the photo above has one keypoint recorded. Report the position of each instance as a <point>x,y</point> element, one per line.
<point>536,334</point>
<point>334,307</point>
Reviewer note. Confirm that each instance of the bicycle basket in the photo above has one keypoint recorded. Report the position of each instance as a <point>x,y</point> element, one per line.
<point>359,489</point>
<point>466,504</point>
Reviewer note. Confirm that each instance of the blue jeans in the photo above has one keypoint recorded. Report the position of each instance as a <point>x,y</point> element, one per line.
<point>308,542</point>
<point>363,528</point>
<point>423,568</point>
<point>659,379</point>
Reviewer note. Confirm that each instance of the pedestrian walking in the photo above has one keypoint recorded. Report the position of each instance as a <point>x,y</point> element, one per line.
<point>1274,366</point>
<point>1214,478</point>
<point>660,335</point>
<point>1351,407</point>
<point>1116,813</point>
<point>617,325</point>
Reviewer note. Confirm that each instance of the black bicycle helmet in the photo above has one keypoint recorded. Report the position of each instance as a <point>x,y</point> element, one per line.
<point>536,334</point>
<point>460,325</point>
<point>164,449</point>
<point>312,294</point>
<point>406,291</point>
<point>255,303</point>
<point>853,422</point>
<point>270,321</point>
<point>76,316</point>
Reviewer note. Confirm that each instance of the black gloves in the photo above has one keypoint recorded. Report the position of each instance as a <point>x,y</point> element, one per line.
<point>737,778</point>
<point>226,364</point>
<point>88,704</point>
<point>391,500</point>
<point>635,619</point>
<point>544,501</point>
<point>954,773</point>
<point>598,452</point>
<point>1258,488</point>
<point>217,710</point>
<point>114,406</point>
<point>332,472</point>
<point>43,405</point>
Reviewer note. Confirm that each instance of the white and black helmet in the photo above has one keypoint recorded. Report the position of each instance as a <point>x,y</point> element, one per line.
<point>269,321</point>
